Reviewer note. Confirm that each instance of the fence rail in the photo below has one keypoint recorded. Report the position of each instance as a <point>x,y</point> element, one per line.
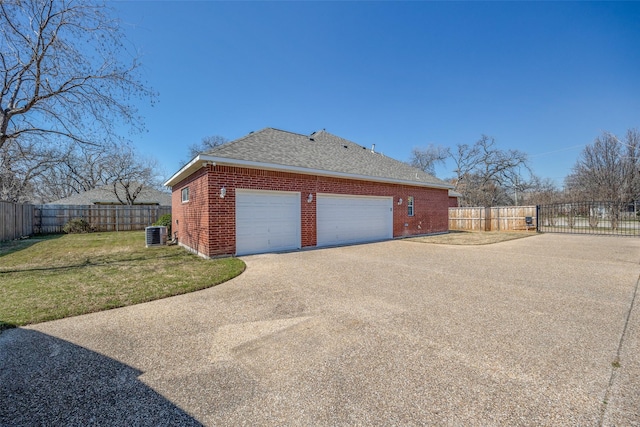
<point>608,218</point>
<point>509,218</point>
<point>16,220</point>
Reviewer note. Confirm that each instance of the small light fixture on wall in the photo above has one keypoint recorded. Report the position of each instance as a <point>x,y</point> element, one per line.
<point>223,192</point>
<point>310,198</point>
<point>399,201</point>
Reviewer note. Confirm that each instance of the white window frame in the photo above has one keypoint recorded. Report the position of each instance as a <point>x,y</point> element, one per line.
<point>184,193</point>
<point>410,206</point>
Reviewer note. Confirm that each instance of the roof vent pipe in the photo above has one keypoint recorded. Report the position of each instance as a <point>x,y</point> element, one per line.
<point>373,148</point>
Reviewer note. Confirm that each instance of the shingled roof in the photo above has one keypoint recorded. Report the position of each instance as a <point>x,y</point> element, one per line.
<point>320,153</point>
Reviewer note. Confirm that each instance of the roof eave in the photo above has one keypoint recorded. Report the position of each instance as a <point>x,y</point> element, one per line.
<point>196,163</point>
<point>203,159</point>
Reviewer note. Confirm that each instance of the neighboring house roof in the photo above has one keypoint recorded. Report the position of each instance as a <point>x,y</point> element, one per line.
<point>104,196</point>
<point>453,193</point>
<point>320,153</point>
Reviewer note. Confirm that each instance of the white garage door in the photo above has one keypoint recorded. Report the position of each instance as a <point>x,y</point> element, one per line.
<point>267,221</point>
<point>352,219</point>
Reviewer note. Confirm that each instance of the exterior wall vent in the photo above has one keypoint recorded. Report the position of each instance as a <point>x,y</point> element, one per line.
<point>156,236</point>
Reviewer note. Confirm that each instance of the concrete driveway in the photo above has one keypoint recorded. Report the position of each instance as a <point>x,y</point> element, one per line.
<point>536,331</point>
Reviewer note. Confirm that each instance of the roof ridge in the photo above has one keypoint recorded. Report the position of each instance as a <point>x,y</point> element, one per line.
<point>286,131</point>
<point>233,142</point>
<point>252,134</point>
<point>329,134</point>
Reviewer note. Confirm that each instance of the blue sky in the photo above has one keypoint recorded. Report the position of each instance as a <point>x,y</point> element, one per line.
<point>544,77</point>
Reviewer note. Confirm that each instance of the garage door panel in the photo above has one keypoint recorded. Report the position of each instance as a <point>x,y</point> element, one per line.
<point>352,219</point>
<point>267,221</point>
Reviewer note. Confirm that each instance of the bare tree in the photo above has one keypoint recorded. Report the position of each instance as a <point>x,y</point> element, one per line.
<point>20,166</point>
<point>85,168</point>
<point>129,173</point>
<point>632,165</point>
<point>206,144</point>
<point>485,174</point>
<point>599,171</point>
<point>12,188</point>
<point>64,81</point>
<point>81,168</point>
<point>602,171</point>
<point>540,191</point>
<point>428,158</point>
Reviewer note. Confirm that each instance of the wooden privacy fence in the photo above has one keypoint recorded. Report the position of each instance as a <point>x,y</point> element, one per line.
<point>506,218</point>
<point>16,220</point>
<point>52,218</point>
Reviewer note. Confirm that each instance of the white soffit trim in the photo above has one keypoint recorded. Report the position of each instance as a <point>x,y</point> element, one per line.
<point>202,159</point>
<point>196,163</point>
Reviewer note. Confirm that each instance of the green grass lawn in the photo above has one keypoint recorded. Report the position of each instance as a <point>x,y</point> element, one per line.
<point>66,275</point>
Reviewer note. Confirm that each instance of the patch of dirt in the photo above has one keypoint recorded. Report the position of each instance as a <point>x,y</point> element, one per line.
<point>473,238</point>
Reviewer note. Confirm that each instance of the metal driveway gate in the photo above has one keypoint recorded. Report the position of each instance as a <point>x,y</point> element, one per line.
<point>607,218</point>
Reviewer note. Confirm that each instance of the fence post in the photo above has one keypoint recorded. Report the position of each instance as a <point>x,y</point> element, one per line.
<point>487,219</point>
<point>537,218</point>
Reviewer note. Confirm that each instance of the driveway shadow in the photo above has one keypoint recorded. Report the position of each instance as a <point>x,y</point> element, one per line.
<point>48,381</point>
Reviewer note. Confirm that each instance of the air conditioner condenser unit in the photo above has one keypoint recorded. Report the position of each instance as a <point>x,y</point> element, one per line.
<point>156,236</point>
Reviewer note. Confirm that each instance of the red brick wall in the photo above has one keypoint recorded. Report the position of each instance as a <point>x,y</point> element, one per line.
<point>453,202</point>
<point>191,219</point>
<point>430,205</point>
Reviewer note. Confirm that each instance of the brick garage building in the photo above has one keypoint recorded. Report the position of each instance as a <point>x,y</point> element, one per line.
<point>454,199</point>
<point>274,190</point>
